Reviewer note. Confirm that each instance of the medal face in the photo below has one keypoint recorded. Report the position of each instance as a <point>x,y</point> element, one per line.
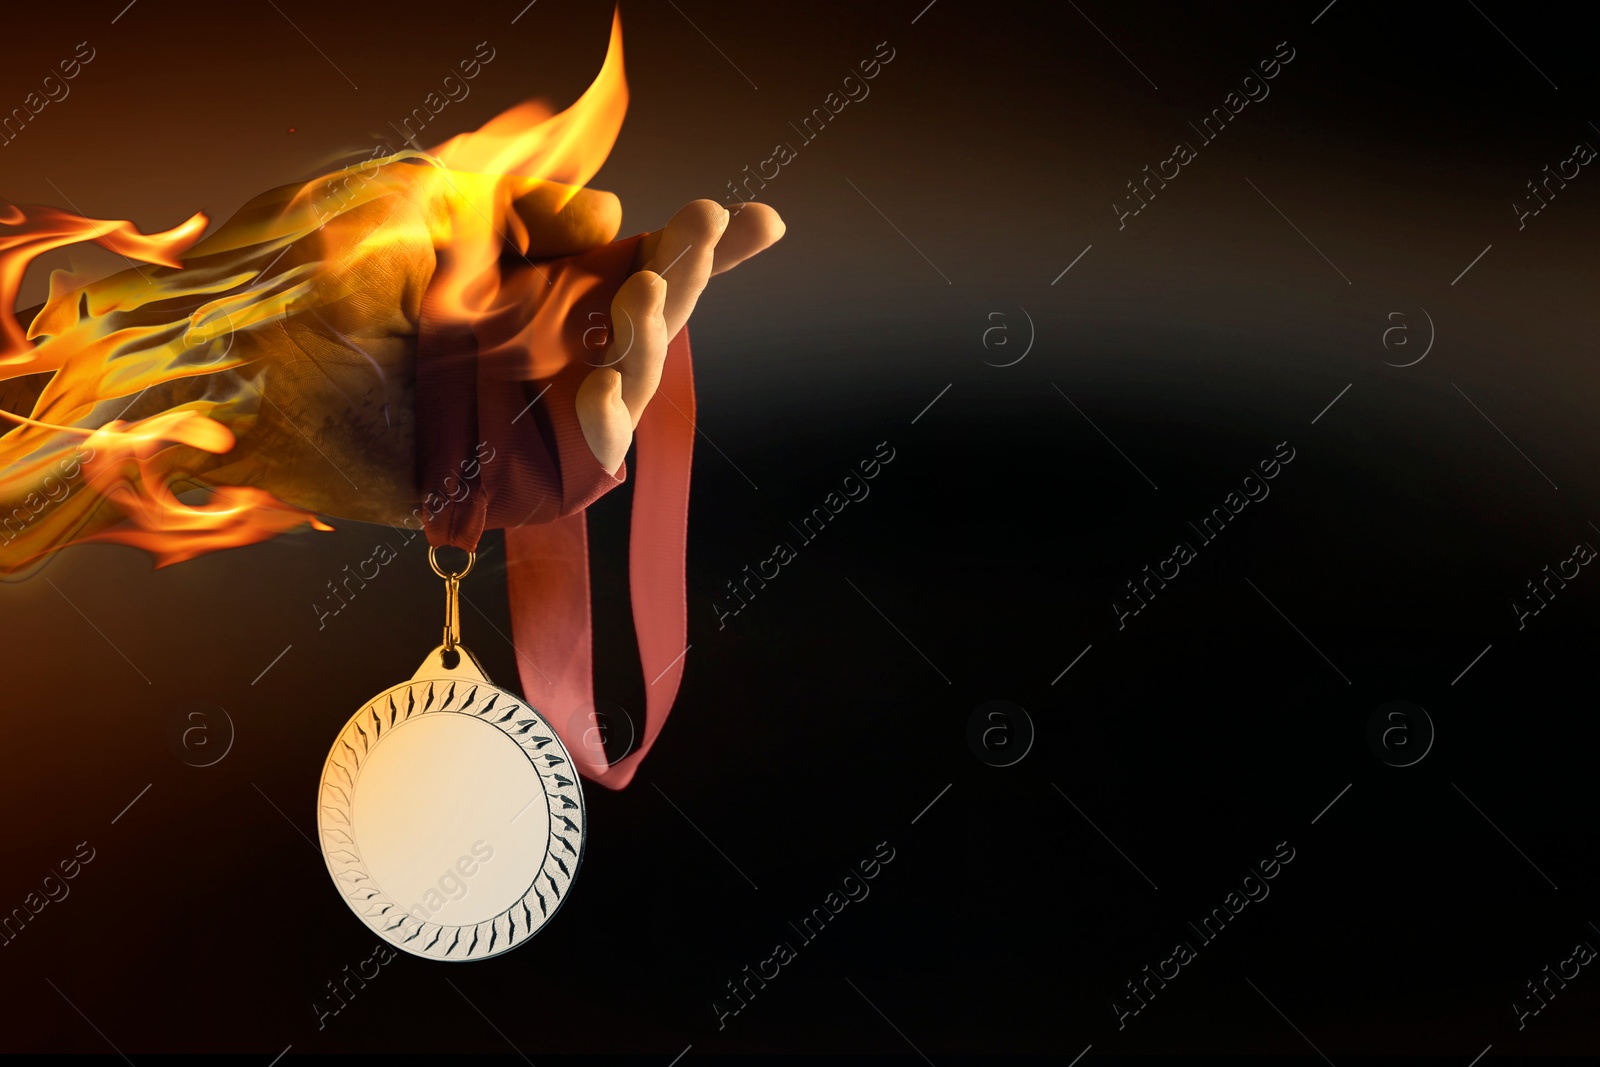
<point>450,815</point>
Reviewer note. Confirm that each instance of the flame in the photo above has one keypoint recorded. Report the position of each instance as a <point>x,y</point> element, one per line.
<point>190,328</point>
<point>157,520</point>
<point>506,158</point>
<point>528,142</point>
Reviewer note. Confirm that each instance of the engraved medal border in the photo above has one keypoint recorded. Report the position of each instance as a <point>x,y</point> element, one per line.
<point>463,690</point>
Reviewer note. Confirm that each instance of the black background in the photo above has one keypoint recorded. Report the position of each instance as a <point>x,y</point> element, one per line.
<point>828,715</point>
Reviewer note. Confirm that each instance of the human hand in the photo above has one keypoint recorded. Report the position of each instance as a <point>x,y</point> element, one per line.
<point>311,337</point>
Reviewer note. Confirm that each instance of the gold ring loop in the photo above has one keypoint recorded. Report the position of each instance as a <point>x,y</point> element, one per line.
<point>433,561</point>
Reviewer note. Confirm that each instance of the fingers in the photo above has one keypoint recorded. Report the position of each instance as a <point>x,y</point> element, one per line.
<point>589,219</point>
<point>652,306</point>
<point>612,398</point>
<point>683,255</point>
<point>604,418</point>
<point>639,335</point>
<point>754,228</point>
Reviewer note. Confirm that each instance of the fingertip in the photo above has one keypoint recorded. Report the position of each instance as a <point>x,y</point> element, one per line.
<point>599,396</point>
<point>606,383</point>
<point>562,220</point>
<point>651,282</point>
<point>757,228</point>
<point>703,214</point>
<point>765,220</point>
<point>604,210</point>
<point>603,417</point>
<point>643,293</point>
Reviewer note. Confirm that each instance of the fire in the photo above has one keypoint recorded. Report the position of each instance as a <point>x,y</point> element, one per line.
<point>488,170</point>
<point>189,328</point>
<point>529,142</point>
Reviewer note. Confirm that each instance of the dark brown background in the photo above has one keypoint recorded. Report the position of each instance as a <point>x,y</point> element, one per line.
<point>1208,730</point>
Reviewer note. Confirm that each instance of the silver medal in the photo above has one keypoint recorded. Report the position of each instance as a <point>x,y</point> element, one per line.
<point>449,812</point>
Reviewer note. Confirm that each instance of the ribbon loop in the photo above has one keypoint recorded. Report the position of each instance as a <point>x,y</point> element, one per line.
<point>498,448</point>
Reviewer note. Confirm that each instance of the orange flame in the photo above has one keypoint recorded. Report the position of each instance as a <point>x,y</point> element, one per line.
<point>528,142</point>
<point>158,521</point>
<point>507,157</point>
<point>100,345</point>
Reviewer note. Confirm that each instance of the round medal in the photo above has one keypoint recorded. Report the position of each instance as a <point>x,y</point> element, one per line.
<point>449,812</point>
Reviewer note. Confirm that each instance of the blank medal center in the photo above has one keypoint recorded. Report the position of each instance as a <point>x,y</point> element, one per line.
<point>434,809</point>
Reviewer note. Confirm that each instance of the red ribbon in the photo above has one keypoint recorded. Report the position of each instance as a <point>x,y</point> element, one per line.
<point>499,446</point>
